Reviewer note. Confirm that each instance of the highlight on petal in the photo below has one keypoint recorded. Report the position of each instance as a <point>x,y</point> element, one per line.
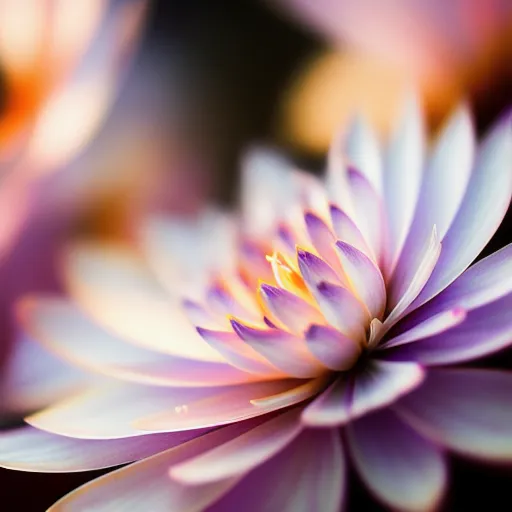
<point>353,395</point>
<point>315,270</point>
<point>364,276</point>
<point>242,454</point>
<point>402,469</point>
<point>345,229</point>
<point>30,449</point>
<point>333,349</point>
<point>309,474</point>
<point>465,409</point>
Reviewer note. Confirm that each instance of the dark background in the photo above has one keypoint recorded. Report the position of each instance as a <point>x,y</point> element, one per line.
<point>234,59</point>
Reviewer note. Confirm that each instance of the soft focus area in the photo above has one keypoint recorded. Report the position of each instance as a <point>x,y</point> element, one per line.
<point>114,110</point>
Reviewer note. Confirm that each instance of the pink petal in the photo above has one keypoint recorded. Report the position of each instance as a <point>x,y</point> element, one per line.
<point>145,485</point>
<point>283,350</point>
<point>365,278</point>
<point>295,313</point>
<point>342,310</point>
<point>30,449</point>
<point>241,454</point>
<point>402,469</point>
<point>352,396</point>
<point>308,475</point>
<point>333,349</point>
<point>466,410</point>
<point>62,328</point>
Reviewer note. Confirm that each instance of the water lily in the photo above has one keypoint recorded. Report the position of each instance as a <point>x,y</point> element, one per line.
<point>240,361</point>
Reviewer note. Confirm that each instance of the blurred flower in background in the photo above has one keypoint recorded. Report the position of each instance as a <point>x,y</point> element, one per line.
<point>241,360</point>
<point>447,50</point>
<point>61,64</point>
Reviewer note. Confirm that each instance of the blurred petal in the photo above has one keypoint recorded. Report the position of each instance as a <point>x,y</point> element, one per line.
<point>466,410</point>
<point>30,449</point>
<point>345,229</point>
<point>322,239</point>
<point>401,468</point>
<point>352,396</point>
<point>309,474</point>
<point>242,454</point>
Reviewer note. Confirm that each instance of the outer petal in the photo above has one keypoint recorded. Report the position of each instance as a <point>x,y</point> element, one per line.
<point>145,485</point>
<point>481,212</point>
<point>70,334</point>
<point>309,474</point>
<point>30,449</point>
<point>466,410</point>
<point>242,454</point>
<point>400,467</point>
<point>355,395</point>
<point>485,330</point>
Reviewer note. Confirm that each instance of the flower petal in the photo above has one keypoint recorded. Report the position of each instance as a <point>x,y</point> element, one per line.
<point>467,410</point>
<point>285,351</point>
<point>315,270</point>
<point>346,230</point>
<point>241,454</point>
<point>30,449</point>
<point>333,349</point>
<point>309,474</point>
<point>364,276</point>
<point>481,212</point>
<point>145,485</point>
<point>64,330</point>
<point>352,396</point>
<point>402,469</point>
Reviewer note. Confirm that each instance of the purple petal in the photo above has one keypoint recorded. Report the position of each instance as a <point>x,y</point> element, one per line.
<point>309,474</point>
<point>352,396</point>
<point>333,349</point>
<point>484,331</point>
<point>481,212</point>
<point>466,410</point>
<point>342,310</point>
<point>314,270</point>
<point>365,278</point>
<point>30,449</point>
<point>283,350</point>
<point>345,229</point>
<point>295,313</point>
<point>242,454</point>
<point>402,469</point>
<point>199,316</point>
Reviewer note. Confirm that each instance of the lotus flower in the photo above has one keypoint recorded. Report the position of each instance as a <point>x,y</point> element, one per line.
<point>241,361</point>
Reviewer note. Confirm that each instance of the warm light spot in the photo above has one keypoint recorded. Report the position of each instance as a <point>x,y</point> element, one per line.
<point>286,276</point>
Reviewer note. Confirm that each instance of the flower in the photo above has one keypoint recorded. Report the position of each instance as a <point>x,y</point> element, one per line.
<point>328,318</point>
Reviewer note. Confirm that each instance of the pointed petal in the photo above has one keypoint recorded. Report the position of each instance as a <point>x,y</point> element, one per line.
<point>467,410</point>
<point>241,454</point>
<point>30,449</point>
<point>346,230</point>
<point>402,177</point>
<point>402,469</point>
<point>352,396</point>
<point>365,278</point>
<point>342,310</point>
<point>315,270</point>
<point>145,485</point>
<point>481,212</point>
<point>290,310</point>
<point>285,351</point>
<point>333,349</point>
<point>336,175</point>
<point>312,465</point>
<point>484,331</point>
<point>64,330</point>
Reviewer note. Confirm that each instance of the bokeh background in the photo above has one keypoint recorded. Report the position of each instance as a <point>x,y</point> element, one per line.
<point>196,83</point>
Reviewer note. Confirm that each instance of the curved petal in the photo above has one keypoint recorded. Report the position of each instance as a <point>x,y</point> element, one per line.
<point>467,410</point>
<point>481,212</point>
<point>323,239</point>
<point>309,474</point>
<point>241,454</point>
<point>315,270</point>
<point>352,396</point>
<point>485,330</point>
<point>364,276</point>
<point>333,349</point>
<point>285,351</point>
<point>145,485</point>
<point>30,449</point>
<point>346,230</point>
<point>402,469</point>
<point>64,330</point>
